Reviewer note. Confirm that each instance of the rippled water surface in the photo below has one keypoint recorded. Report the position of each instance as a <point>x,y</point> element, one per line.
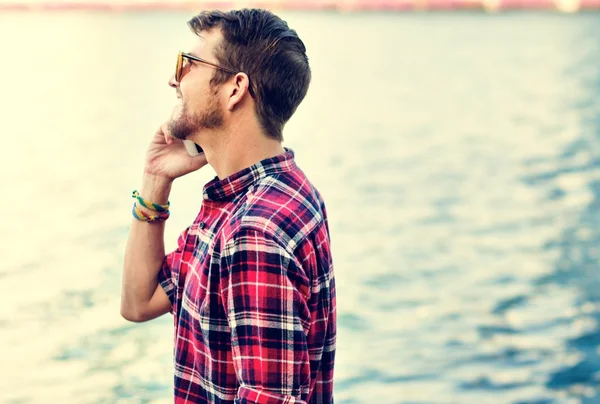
<point>459,156</point>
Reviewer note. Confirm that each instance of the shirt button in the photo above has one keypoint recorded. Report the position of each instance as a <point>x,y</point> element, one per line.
<point>202,224</point>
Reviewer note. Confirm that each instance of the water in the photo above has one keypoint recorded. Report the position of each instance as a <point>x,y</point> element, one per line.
<point>459,158</point>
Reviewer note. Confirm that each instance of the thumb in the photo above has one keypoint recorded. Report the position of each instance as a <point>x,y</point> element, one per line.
<point>198,161</point>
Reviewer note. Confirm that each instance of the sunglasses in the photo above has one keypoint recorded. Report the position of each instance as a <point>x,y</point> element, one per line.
<point>179,67</point>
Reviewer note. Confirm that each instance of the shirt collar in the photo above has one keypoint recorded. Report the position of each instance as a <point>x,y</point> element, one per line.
<point>238,183</point>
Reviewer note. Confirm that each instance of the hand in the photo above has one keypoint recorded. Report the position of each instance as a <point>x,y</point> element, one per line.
<point>167,157</point>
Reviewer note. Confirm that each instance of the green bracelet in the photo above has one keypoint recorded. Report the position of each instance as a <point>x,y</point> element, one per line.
<point>145,217</point>
<point>150,205</point>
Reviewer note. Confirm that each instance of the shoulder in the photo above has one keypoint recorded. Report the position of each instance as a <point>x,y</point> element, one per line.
<point>284,208</point>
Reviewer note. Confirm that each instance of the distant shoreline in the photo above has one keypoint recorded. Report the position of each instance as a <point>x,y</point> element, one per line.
<point>568,6</point>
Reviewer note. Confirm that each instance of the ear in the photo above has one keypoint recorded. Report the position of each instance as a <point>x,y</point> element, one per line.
<point>238,90</point>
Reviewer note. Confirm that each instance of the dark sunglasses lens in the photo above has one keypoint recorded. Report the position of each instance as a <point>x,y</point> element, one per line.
<point>178,67</point>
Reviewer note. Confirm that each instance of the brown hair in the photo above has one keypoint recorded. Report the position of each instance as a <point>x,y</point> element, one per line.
<point>260,44</point>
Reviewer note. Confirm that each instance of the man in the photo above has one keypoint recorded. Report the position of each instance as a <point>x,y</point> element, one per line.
<point>251,285</point>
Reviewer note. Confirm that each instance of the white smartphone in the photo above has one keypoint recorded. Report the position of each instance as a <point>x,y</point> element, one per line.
<point>192,148</point>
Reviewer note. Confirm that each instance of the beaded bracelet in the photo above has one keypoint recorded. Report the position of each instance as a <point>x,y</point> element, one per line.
<point>150,205</point>
<point>146,217</point>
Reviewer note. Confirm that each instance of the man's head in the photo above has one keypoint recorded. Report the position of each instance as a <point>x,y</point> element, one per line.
<point>255,63</point>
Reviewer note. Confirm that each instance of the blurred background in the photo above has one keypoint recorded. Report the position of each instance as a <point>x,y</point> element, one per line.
<point>458,153</point>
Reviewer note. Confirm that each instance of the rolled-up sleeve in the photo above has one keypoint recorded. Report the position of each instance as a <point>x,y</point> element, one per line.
<point>264,291</point>
<point>169,273</point>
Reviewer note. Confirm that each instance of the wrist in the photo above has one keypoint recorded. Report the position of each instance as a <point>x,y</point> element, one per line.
<point>155,188</point>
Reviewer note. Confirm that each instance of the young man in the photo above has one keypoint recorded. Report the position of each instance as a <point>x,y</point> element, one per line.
<point>251,284</point>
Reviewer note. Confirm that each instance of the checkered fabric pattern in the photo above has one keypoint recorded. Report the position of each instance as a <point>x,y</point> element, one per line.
<point>252,290</point>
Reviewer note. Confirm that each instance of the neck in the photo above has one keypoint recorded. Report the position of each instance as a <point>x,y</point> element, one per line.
<point>233,149</point>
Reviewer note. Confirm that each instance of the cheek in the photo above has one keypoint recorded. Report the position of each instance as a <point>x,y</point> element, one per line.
<point>193,97</point>
<point>194,83</point>
<point>189,103</point>
<point>214,98</point>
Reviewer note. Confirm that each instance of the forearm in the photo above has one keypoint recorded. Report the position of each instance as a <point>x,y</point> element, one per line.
<point>144,254</point>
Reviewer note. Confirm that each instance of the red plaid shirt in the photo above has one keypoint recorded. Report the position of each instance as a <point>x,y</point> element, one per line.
<point>253,293</point>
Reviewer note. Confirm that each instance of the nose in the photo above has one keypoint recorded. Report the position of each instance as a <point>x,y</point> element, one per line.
<point>172,82</point>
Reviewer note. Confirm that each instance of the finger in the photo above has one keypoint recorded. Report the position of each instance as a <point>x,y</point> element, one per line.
<point>164,128</point>
<point>198,162</point>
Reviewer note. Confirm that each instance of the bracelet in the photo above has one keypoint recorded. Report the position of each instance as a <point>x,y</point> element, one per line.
<point>150,205</point>
<point>146,217</point>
